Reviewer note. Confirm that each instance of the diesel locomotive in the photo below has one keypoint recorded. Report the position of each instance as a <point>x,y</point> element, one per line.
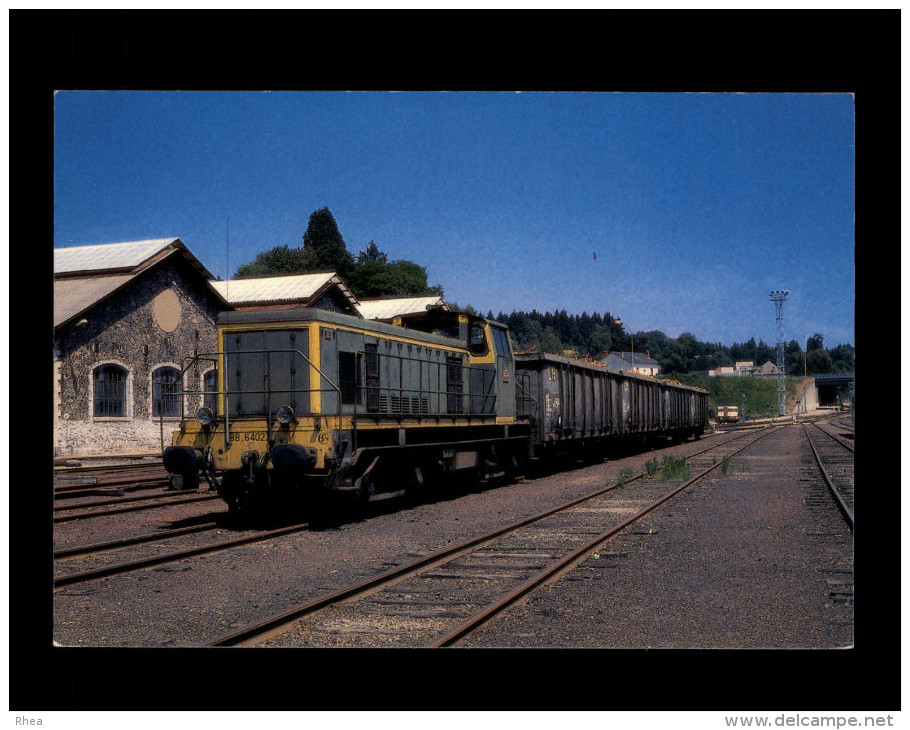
<point>309,403</point>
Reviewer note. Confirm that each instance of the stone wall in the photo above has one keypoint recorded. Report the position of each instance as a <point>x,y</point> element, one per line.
<point>160,318</point>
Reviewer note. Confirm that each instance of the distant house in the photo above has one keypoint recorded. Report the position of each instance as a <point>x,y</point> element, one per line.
<point>724,371</point>
<point>636,362</point>
<point>744,368</point>
<point>125,316</point>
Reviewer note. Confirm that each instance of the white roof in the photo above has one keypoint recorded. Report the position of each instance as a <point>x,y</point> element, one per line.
<point>390,308</point>
<point>277,288</point>
<point>108,255</point>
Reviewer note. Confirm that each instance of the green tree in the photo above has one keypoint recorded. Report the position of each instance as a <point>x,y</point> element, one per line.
<point>323,250</point>
<point>324,246</point>
<point>819,361</point>
<point>278,261</point>
<point>793,358</point>
<point>815,342</point>
<point>373,278</point>
<point>372,254</point>
<point>600,341</point>
<point>842,359</point>
<point>550,342</point>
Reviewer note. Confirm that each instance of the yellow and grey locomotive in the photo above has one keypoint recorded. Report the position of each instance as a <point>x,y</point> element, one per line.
<point>310,401</point>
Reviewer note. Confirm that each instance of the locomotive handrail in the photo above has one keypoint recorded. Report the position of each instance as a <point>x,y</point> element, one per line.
<point>465,400</point>
<point>169,390</point>
<point>221,355</point>
<point>268,391</point>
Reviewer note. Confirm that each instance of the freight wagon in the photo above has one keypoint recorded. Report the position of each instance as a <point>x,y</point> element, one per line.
<point>584,407</point>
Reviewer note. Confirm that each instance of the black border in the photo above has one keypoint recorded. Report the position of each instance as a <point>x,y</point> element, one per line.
<point>843,51</point>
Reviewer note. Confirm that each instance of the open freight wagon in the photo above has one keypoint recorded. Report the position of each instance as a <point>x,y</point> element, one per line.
<point>579,406</point>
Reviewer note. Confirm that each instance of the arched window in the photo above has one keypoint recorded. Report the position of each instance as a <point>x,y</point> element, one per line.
<point>165,400</point>
<point>210,390</point>
<point>109,391</point>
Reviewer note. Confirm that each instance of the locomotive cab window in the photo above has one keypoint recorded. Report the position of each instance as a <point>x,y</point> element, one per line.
<point>502,342</point>
<point>478,342</point>
<point>349,377</point>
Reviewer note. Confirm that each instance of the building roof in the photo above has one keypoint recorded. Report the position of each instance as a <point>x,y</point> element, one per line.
<point>85,275</point>
<point>128,257</point>
<point>298,288</point>
<point>74,296</point>
<point>636,358</point>
<point>388,309</point>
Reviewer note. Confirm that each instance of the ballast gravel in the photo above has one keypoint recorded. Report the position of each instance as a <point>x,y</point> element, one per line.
<point>736,561</point>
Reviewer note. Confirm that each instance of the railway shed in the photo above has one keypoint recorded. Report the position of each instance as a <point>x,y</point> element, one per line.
<point>124,316</point>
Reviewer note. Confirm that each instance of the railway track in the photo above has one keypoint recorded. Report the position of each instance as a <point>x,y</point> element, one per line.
<point>147,561</point>
<point>438,598</point>
<point>87,510</point>
<point>71,482</point>
<point>847,444</point>
<point>101,547</point>
<point>834,457</point>
<point>829,478</point>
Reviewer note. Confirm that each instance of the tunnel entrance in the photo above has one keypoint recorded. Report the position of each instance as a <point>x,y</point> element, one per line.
<point>834,389</point>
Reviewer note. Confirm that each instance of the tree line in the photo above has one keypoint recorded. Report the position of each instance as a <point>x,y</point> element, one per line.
<point>371,275</point>
<point>591,336</point>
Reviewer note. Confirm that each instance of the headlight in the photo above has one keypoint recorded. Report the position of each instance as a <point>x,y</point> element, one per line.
<point>205,416</point>
<point>285,414</point>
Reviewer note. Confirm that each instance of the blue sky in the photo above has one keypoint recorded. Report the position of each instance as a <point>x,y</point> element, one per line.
<point>674,212</point>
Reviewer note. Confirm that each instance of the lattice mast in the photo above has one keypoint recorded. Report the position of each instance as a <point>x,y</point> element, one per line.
<point>779,297</point>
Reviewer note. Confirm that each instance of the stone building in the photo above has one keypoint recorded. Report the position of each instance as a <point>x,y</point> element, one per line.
<point>125,317</point>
